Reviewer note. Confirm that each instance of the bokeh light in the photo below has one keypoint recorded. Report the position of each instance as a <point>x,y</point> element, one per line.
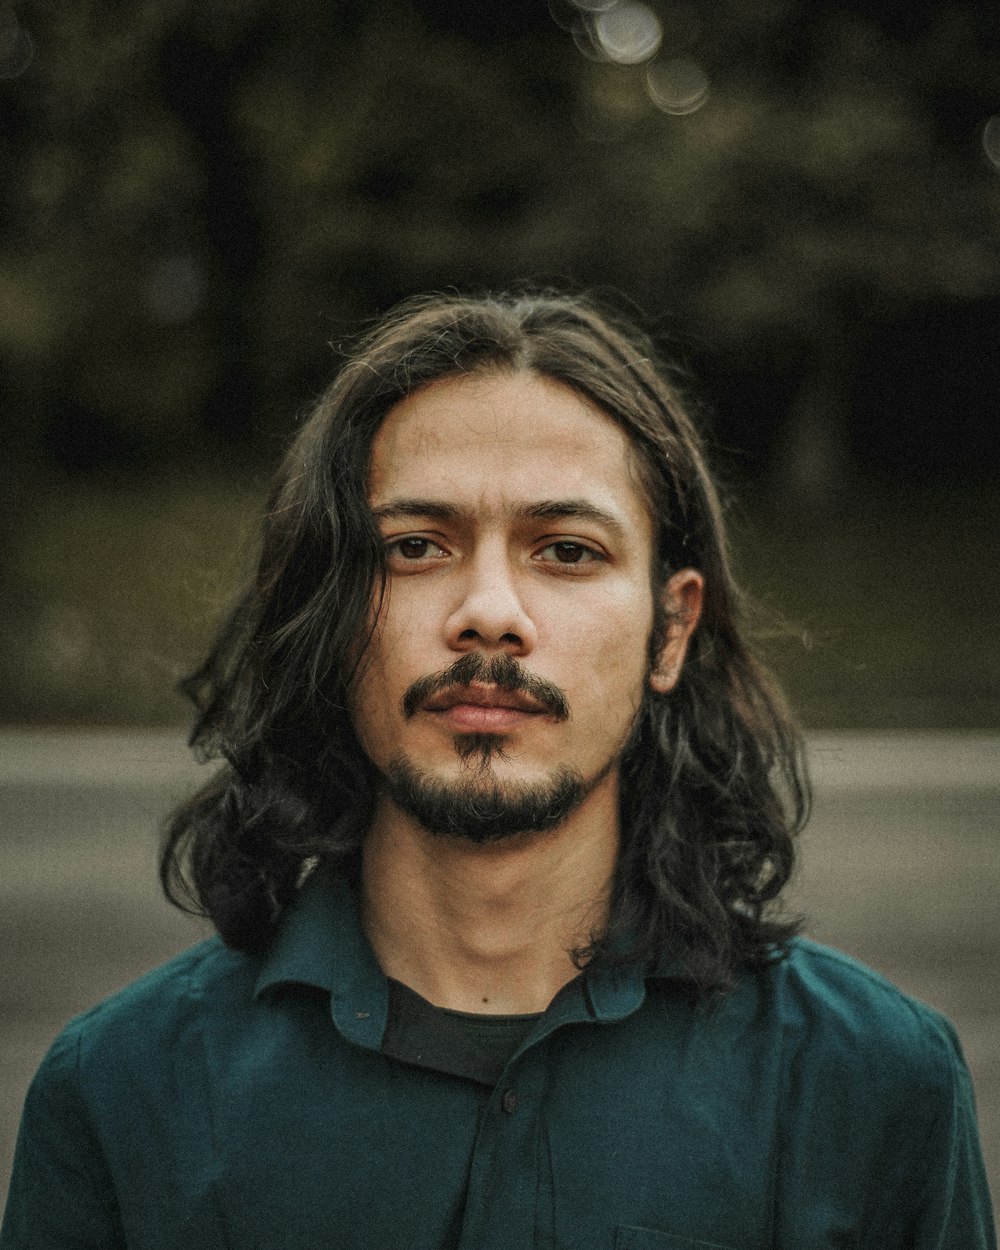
<point>586,41</point>
<point>628,33</point>
<point>678,86</point>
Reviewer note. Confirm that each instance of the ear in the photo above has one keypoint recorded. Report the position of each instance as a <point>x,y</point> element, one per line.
<point>682,598</point>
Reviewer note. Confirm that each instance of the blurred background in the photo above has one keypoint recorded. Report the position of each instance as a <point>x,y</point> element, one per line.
<point>801,200</point>
<point>202,200</point>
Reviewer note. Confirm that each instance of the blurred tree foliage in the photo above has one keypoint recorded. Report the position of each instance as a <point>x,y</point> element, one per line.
<point>199,195</point>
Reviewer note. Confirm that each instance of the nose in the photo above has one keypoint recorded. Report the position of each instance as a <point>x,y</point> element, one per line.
<point>491,613</point>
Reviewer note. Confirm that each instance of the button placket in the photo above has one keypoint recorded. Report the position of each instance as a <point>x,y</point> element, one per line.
<point>503,1178</point>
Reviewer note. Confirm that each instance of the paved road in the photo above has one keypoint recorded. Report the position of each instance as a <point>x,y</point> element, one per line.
<point>901,867</point>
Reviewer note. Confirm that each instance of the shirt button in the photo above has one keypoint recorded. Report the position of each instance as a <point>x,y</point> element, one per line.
<point>509,1101</point>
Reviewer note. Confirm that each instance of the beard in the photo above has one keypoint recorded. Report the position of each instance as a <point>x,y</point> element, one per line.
<point>479,808</point>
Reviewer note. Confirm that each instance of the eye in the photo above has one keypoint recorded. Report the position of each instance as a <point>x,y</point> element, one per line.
<point>412,550</point>
<point>567,552</point>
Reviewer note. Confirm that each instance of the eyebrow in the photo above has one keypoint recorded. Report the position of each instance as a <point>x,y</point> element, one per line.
<point>545,510</point>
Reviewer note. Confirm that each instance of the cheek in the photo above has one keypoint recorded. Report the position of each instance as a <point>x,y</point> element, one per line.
<point>391,663</point>
<point>613,652</point>
<point>371,698</point>
<point>403,622</point>
<point>389,630</point>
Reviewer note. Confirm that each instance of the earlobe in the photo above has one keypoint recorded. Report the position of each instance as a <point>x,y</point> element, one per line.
<point>682,600</point>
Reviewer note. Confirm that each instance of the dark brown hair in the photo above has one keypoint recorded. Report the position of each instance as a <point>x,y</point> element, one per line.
<point>713,782</point>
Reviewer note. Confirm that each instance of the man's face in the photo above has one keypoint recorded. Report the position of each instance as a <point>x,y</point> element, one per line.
<point>511,652</point>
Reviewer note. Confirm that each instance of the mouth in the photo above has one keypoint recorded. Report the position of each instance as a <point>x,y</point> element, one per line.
<point>480,708</point>
<point>485,696</point>
<point>497,686</point>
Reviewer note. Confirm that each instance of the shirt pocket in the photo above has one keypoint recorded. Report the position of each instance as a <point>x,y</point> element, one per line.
<point>628,1238</point>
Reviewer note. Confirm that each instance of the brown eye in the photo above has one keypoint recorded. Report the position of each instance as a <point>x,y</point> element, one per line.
<point>566,552</point>
<point>413,548</point>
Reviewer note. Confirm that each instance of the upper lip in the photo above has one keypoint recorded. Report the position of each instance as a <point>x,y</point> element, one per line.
<point>483,696</point>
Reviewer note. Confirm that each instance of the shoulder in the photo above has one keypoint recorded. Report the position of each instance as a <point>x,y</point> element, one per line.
<point>116,1097</point>
<point>848,1016</point>
<point>143,1020</point>
<point>875,1096</point>
<point>832,986</point>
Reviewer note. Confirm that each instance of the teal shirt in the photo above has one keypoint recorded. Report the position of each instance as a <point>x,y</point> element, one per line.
<point>228,1103</point>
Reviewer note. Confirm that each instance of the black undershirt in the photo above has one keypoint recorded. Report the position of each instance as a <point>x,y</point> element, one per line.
<point>462,1043</point>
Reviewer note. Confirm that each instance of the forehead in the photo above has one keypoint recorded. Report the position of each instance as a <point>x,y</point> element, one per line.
<point>497,439</point>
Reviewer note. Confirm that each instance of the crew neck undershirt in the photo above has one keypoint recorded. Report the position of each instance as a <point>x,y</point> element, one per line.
<point>464,1043</point>
<point>498,1034</point>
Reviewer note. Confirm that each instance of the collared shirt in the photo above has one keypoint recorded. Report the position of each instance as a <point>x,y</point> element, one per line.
<point>231,1103</point>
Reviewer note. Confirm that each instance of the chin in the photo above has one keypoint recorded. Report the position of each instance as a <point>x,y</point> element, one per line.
<point>479,806</point>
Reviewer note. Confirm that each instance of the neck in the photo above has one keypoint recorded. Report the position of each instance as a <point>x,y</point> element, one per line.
<point>488,928</point>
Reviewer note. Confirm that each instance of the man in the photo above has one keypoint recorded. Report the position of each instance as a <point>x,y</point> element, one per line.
<point>505,809</point>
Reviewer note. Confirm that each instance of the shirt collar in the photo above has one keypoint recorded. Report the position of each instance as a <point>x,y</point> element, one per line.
<point>615,992</point>
<point>320,943</point>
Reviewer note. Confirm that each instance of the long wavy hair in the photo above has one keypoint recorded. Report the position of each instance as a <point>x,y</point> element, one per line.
<point>713,781</point>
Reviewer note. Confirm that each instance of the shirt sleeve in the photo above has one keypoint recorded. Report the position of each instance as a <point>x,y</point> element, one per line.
<point>61,1193</point>
<point>956,1212</point>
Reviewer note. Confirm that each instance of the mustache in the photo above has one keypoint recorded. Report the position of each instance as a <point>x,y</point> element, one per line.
<point>502,671</point>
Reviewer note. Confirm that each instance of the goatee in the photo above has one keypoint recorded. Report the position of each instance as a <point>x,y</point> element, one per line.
<point>480,810</point>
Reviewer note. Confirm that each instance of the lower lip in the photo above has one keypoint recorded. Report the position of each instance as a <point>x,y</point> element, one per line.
<point>472,718</point>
